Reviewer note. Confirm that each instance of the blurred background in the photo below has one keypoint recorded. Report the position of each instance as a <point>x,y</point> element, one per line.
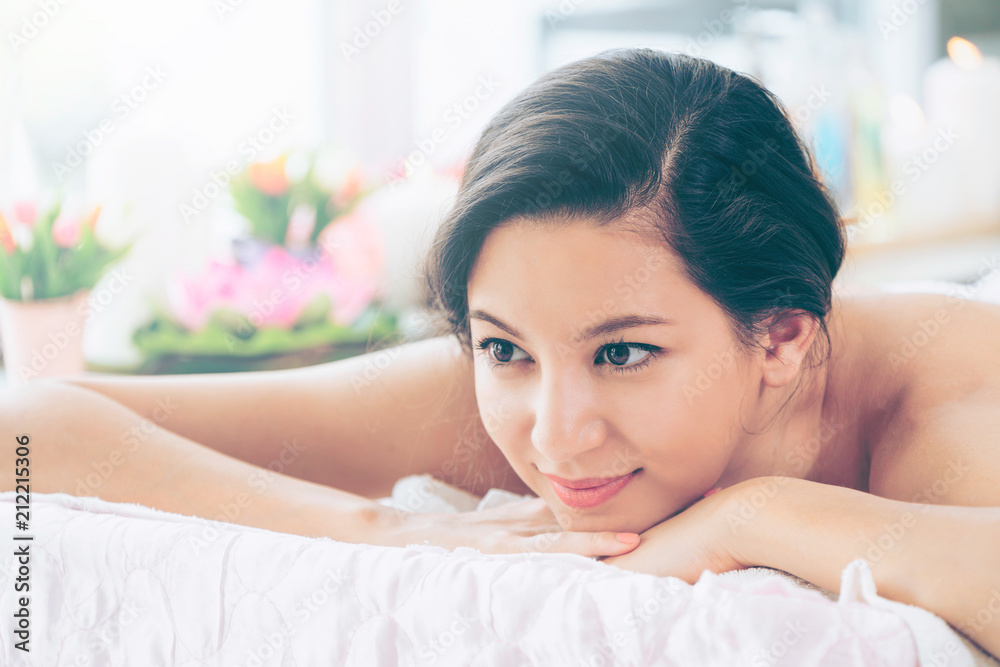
<point>272,172</point>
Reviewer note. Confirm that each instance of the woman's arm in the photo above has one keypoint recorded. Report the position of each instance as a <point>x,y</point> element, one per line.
<point>358,424</point>
<point>81,443</point>
<point>942,558</point>
<point>84,444</point>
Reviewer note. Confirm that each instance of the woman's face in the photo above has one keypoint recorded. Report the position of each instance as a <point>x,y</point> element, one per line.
<point>611,383</point>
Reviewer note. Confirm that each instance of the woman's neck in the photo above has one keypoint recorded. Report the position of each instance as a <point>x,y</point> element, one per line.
<point>815,435</point>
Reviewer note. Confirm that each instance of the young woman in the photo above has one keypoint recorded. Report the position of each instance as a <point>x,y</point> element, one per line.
<point>638,275</point>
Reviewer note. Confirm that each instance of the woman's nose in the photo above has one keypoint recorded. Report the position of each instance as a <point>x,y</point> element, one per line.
<point>567,421</point>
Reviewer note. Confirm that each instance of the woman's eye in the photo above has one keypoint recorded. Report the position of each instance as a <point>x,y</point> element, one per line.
<point>622,354</point>
<point>503,352</point>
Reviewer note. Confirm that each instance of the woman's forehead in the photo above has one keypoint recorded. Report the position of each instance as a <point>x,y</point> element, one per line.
<point>583,245</point>
<point>574,268</point>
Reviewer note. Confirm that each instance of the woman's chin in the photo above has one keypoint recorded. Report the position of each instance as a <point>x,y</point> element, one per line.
<point>592,521</point>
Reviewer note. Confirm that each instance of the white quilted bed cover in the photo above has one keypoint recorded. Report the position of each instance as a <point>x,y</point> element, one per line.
<point>117,584</point>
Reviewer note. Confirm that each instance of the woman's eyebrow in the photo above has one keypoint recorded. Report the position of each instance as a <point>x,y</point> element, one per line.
<point>608,326</point>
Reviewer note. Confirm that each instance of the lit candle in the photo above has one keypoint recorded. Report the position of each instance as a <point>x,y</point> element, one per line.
<point>923,181</point>
<point>962,95</point>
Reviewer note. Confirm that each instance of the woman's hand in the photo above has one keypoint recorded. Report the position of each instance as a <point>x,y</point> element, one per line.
<point>515,527</point>
<point>683,546</point>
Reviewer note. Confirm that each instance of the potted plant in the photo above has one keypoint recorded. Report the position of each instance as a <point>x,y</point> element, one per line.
<point>301,287</point>
<point>49,262</point>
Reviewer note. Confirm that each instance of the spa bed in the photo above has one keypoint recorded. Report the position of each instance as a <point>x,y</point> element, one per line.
<point>120,584</point>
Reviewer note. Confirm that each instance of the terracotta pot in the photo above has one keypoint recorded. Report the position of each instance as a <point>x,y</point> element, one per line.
<point>43,338</point>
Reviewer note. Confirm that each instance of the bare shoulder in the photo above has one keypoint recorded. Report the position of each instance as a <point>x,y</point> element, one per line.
<point>935,362</point>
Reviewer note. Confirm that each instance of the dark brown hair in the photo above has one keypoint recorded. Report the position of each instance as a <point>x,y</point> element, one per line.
<point>709,153</point>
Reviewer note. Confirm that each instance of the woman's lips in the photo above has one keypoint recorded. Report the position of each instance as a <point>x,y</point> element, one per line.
<point>591,492</point>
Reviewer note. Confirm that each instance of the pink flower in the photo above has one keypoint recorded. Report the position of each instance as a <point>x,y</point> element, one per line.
<point>276,291</point>
<point>25,212</point>
<point>6,237</point>
<point>354,246</point>
<point>300,226</point>
<point>194,299</point>
<point>284,286</point>
<point>66,231</point>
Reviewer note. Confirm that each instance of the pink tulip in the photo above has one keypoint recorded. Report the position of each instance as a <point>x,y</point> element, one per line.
<point>66,231</point>
<point>300,226</point>
<point>192,300</point>
<point>282,289</point>
<point>6,237</point>
<point>354,246</point>
<point>25,212</point>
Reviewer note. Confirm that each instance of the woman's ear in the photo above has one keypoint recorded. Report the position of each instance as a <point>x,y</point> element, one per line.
<point>787,341</point>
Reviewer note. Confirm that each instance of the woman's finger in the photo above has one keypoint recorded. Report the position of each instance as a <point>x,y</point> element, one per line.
<point>583,544</point>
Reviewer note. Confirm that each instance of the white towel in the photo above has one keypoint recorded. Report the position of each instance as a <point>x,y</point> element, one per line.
<point>937,643</point>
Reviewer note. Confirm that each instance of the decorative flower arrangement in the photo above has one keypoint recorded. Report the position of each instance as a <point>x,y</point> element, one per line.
<point>305,277</point>
<point>52,254</point>
<point>291,212</point>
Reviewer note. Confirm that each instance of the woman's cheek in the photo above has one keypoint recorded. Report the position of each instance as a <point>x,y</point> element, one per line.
<point>498,410</point>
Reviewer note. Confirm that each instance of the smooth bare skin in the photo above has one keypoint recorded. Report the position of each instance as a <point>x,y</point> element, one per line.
<point>300,451</point>
<point>333,418</point>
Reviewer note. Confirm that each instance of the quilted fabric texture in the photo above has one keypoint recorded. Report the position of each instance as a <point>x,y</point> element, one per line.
<point>116,584</point>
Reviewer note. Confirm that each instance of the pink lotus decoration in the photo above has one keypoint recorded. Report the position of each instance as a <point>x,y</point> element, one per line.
<point>276,290</point>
